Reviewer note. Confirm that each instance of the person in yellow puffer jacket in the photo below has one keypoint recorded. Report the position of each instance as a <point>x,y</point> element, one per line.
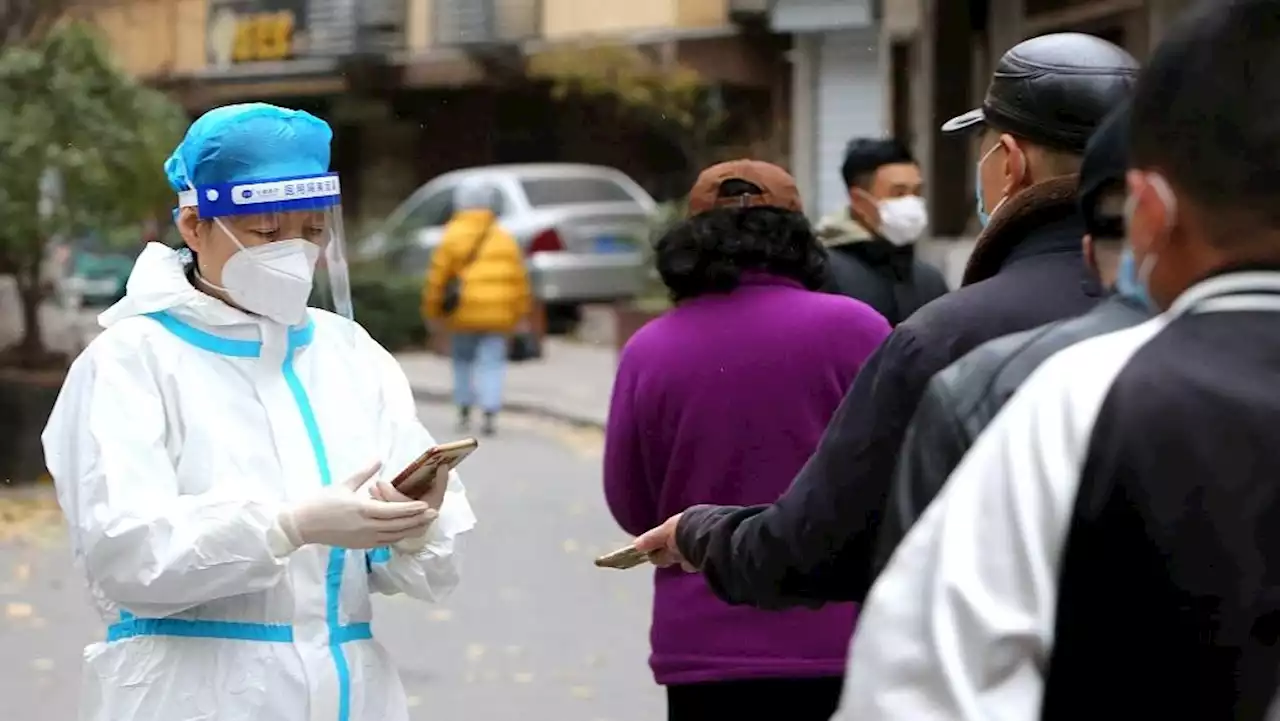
<point>494,299</point>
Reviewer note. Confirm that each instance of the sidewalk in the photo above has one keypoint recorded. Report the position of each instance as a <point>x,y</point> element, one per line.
<point>571,383</point>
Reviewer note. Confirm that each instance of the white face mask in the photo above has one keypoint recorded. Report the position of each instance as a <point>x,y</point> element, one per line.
<point>272,280</point>
<point>903,220</point>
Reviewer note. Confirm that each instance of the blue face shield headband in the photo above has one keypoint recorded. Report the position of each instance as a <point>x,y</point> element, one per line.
<point>284,195</point>
<point>289,241</point>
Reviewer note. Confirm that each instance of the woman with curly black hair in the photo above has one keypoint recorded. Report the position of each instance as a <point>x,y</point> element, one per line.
<point>722,400</point>
<point>710,252</point>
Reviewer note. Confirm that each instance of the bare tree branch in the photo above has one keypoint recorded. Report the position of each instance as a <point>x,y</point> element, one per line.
<point>27,20</point>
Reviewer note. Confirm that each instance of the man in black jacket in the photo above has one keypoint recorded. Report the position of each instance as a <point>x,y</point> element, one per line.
<point>962,399</point>
<point>1110,546</point>
<point>871,243</point>
<point>816,543</point>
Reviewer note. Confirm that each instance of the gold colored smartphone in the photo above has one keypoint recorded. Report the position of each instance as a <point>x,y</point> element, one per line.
<point>416,480</point>
<point>623,558</point>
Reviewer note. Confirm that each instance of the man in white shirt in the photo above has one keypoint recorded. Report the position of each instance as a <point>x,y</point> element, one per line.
<point>1110,546</point>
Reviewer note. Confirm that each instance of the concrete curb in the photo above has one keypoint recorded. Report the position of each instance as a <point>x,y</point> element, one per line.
<point>515,405</point>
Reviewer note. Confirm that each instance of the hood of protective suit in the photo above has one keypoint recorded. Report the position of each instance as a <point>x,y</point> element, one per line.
<point>159,283</point>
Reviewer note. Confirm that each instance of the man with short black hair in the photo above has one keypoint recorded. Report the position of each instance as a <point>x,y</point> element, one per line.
<point>871,242</point>
<point>1110,545</point>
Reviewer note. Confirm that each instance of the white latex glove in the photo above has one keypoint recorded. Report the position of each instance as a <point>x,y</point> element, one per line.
<point>385,492</point>
<point>339,516</point>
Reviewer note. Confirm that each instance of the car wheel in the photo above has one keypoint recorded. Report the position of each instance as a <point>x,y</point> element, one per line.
<point>563,319</point>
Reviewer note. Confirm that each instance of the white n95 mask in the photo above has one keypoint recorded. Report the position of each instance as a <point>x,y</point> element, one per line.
<point>273,280</point>
<point>903,220</point>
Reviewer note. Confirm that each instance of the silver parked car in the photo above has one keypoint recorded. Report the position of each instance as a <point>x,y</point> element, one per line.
<point>581,226</point>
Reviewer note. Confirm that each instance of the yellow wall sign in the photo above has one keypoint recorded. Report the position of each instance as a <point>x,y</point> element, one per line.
<point>263,37</point>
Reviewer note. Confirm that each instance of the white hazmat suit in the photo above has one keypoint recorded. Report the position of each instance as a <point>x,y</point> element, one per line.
<point>180,434</point>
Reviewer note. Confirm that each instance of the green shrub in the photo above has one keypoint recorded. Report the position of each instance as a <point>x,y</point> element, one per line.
<point>655,296</point>
<point>388,306</point>
<point>669,213</point>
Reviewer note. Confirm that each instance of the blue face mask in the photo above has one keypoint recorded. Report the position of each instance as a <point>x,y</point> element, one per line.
<point>983,216</point>
<point>1128,284</point>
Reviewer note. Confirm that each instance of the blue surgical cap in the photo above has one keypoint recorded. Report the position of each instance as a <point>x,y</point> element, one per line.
<point>249,142</point>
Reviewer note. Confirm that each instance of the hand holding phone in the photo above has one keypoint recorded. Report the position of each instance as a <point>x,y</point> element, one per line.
<point>623,558</point>
<point>418,478</point>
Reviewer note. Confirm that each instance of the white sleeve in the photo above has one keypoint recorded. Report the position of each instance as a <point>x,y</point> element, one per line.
<point>432,573</point>
<point>148,548</point>
<point>960,625</point>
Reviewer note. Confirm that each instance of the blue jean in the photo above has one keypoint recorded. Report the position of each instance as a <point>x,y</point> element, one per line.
<point>479,362</point>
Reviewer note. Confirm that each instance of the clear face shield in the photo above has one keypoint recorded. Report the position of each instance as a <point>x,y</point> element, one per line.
<point>280,243</point>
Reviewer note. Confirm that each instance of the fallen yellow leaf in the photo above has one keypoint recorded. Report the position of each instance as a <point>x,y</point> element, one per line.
<point>27,515</point>
<point>18,610</point>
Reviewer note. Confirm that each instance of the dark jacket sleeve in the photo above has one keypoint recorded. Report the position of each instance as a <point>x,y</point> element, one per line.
<point>962,400</point>
<point>845,277</point>
<point>932,284</point>
<point>815,543</point>
<point>936,441</point>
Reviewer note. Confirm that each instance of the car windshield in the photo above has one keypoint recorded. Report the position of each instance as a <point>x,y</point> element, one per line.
<point>572,191</point>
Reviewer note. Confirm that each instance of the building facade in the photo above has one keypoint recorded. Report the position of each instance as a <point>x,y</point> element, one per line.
<point>415,88</point>
<point>836,90</point>
<point>419,87</point>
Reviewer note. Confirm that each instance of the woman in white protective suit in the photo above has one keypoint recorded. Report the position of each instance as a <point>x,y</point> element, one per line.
<point>216,453</point>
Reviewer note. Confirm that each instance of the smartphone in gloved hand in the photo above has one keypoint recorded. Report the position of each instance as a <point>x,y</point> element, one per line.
<point>416,480</point>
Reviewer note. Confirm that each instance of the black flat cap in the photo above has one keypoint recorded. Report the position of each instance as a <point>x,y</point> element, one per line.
<point>1106,160</point>
<point>1054,90</point>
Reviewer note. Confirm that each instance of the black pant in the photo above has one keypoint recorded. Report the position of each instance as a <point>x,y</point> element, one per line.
<point>771,699</point>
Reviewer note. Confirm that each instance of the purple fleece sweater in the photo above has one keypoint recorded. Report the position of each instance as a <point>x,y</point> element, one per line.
<point>721,401</point>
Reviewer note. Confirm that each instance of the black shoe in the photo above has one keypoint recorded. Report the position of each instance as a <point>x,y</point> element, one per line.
<point>464,418</point>
<point>489,428</point>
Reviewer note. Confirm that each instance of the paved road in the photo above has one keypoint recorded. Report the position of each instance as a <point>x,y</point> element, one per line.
<point>534,633</point>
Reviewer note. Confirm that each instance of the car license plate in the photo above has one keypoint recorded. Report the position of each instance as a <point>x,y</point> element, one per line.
<point>610,244</point>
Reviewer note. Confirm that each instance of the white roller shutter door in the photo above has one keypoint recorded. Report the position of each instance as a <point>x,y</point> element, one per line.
<point>850,100</point>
